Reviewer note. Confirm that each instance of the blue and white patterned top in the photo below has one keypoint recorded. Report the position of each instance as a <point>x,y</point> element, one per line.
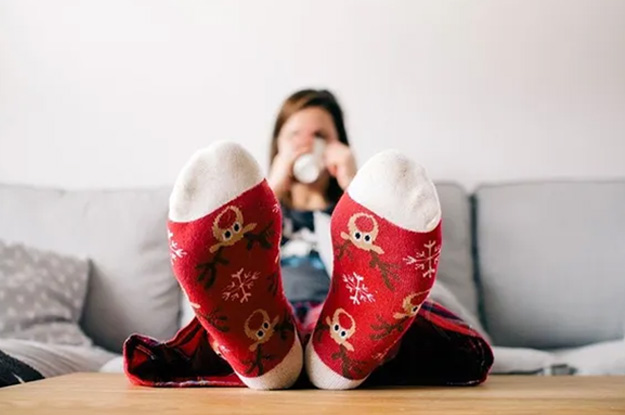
<point>304,275</point>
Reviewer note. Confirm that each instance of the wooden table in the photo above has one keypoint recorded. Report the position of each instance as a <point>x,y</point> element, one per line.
<point>90,393</point>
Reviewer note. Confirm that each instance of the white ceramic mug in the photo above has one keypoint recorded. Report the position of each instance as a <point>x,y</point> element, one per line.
<point>308,167</point>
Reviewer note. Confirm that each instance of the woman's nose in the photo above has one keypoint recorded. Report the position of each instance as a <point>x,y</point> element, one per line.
<point>304,139</point>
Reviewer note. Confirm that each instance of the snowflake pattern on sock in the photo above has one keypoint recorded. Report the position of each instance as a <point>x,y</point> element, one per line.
<point>240,286</point>
<point>426,260</point>
<point>174,250</point>
<point>358,290</point>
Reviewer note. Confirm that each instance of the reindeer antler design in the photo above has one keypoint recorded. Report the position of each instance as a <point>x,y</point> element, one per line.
<point>349,366</point>
<point>261,238</point>
<point>386,270</point>
<point>385,329</point>
<point>214,318</point>
<point>208,269</point>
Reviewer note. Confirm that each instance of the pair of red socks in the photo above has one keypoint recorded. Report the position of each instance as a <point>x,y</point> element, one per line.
<point>225,225</point>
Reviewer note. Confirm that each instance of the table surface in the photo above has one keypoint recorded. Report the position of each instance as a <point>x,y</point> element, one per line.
<point>83,393</point>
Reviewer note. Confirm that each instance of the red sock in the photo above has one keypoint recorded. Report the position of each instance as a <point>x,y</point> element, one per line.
<point>225,228</point>
<point>387,238</point>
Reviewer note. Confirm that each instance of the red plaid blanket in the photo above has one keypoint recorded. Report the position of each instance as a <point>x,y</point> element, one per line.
<point>438,349</point>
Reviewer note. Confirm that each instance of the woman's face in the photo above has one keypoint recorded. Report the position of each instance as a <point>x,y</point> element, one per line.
<point>301,128</point>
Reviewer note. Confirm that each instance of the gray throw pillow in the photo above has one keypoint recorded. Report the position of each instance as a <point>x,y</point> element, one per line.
<point>41,295</point>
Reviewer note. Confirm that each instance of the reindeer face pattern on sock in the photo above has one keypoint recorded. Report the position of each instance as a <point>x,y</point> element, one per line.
<point>411,305</point>
<point>342,326</point>
<point>363,230</point>
<point>260,328</point>
<point>385,326</point>
<point>228,227</point>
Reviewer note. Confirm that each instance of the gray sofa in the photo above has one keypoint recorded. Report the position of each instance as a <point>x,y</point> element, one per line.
<point>539,268</point>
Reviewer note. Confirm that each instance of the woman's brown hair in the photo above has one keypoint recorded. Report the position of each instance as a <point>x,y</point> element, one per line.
<point>308,98</point>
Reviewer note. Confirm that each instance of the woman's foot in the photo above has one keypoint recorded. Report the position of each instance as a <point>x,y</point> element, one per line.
<point>386,234</point>
<point>224,228</point>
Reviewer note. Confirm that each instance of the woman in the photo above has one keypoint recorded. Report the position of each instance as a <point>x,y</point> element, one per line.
<point>305,116</point>
<point>374,325</point>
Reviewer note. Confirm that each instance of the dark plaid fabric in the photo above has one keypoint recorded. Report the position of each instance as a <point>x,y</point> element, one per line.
<point>438,349</point>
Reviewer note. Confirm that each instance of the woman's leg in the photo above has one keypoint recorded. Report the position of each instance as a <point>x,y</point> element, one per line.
<point>225,228</point>
<point>386,233</point>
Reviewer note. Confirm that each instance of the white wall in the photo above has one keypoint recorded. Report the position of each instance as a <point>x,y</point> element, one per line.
<point>120,93</point>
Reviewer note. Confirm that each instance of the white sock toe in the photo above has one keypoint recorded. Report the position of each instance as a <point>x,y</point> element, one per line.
<point>211,178</point>
<point>284,375</point>
<point>398,189</point>
<point>322,376</point>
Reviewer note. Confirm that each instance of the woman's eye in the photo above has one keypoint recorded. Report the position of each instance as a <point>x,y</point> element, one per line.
<point>343,333</point>
<point>260,333</point>
<point>414,309</point>
<point>236,227</point>
<point>227,235</point>
<point>367,238</point>
<point>265,325</point>
<point>336,327</point>
<point>357,236</point>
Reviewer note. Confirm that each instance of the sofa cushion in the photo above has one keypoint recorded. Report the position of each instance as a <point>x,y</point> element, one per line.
<point>599,359</point>
<point>131,288</point>
<point>456,262</point>
<point>552,262</point>
<point>42,295</point>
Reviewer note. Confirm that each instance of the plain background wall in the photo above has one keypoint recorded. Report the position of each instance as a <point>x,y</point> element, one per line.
<point>120,93</point>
